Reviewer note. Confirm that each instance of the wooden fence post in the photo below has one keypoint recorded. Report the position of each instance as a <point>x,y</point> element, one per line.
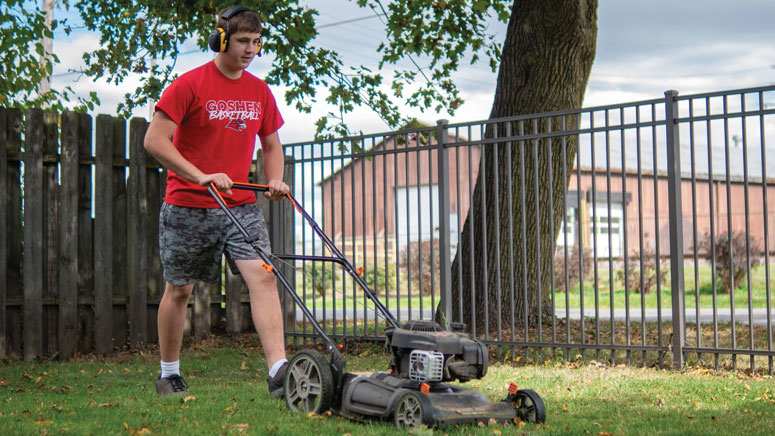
<point>103,236</point>
<point>120,279</point>
<point>3,228</point>
<point>155,186</point>
<point>138,243</point>
<point>235,288</point>
<point>33,235</point>
<point>85,235</point>
<point>202,311</point>
<point>68,240</point>
<point>50,236</point>
<point>13,227</point>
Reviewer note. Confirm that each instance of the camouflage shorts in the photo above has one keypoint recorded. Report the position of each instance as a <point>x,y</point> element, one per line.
<point>192,240</point>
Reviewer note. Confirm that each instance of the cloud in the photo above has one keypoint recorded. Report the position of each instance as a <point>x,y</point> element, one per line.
<point>643,49</point>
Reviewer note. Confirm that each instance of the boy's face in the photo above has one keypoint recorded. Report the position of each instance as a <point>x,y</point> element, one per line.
<point>243,47</point>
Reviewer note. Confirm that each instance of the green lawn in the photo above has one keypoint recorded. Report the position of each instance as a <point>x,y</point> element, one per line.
<point>704,288</point>
<point>343,296</point>
<point>116,396</point>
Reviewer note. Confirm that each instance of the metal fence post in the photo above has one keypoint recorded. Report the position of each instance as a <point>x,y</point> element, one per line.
<point>675,214</point>
<point>445,273</point>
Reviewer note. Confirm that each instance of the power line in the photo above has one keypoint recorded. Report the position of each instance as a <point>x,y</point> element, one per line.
<point>353,20</point>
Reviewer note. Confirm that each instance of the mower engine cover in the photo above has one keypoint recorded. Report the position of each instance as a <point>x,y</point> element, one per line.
<point>464,358</point>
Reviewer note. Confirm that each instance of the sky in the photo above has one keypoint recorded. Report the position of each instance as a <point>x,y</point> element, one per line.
<point>643,49</point>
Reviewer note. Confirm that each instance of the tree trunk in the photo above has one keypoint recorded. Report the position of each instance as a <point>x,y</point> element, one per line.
<point>507,244</point>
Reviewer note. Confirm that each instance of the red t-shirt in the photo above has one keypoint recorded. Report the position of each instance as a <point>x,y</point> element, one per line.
<point>218,122</point>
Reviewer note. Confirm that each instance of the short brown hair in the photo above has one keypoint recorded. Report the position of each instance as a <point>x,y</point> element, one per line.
<point>245,21</point>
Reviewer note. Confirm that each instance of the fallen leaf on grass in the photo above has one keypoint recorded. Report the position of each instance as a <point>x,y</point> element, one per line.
<point>240,425</point>
<point>604,433</point>
<point>497,432</point>
<point>232,408</point>
<point>137,431</point>
<point>189,398</point>
<point>564,407</point>
<point>244,366</point>
<point>518,422</point>
<point>44,422</point>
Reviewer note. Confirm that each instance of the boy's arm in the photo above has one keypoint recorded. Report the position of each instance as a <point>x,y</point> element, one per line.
<point>158,142</point>
<point>274,163</point>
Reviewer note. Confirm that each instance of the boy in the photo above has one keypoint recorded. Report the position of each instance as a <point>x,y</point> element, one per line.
<point>204,131</point>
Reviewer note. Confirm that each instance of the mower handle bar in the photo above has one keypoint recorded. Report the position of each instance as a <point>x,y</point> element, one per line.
<point>338,256</point>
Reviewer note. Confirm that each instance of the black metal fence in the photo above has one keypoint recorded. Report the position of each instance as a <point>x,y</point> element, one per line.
<point>664,245</point>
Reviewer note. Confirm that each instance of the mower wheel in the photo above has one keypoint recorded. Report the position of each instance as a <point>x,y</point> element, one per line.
<point>413,409</point>
<point>309,383</point>
<point>529,406</point>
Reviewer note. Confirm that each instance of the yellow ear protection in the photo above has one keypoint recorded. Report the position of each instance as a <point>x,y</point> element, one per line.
<point>219,38</point>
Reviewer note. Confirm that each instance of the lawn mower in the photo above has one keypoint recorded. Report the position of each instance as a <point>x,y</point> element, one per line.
<point>416,388</point>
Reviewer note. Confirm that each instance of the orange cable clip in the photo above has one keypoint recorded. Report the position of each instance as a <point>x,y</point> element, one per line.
<point>425,388</point>
<point>513,388</point>
<point>268,268</point>
<point>359,271</point>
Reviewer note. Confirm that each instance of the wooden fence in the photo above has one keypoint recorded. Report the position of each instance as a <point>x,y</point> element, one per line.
<point>79,262</point>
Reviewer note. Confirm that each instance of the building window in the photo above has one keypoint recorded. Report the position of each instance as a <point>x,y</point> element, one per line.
<point>607,222</point>
<point>417,212</point>
<point>568,232</point>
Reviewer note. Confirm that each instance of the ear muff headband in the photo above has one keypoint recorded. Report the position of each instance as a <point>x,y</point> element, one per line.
<point>219,38</point>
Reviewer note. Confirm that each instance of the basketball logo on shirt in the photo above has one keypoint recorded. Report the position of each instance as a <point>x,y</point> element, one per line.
<point>236,124</point>
<point>236,111</point>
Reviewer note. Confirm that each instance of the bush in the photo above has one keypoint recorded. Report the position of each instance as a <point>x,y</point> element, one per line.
<point>648,263</point>
<point>383,279</point>
<point>321,277</point>
<point>324,276</point>
<point>574,265</point>
<point>736,250</point>
<point>410,259</point>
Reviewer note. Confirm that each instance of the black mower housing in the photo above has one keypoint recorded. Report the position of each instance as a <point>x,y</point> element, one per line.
<point>464,358</point>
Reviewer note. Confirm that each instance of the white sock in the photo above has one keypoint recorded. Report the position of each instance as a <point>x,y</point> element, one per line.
<point>170,368</point>
<point>276,367</point>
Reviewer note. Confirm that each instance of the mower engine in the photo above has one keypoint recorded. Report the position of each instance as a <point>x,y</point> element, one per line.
<point>423,352</point>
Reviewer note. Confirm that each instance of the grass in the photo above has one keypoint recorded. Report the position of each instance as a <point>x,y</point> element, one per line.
<point>115,395</point>
<point>704,288</point>
<point>393,302</point>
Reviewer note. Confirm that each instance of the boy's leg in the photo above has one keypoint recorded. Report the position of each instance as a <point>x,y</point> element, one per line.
<point>171,320</point>
<point>264,308</point>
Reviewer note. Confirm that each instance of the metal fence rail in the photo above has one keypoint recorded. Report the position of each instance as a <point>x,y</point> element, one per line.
<point>652,192</point>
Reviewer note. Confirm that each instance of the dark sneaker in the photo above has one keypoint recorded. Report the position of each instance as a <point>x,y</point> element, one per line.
<point>276,383</point>
<point>173,384</point>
